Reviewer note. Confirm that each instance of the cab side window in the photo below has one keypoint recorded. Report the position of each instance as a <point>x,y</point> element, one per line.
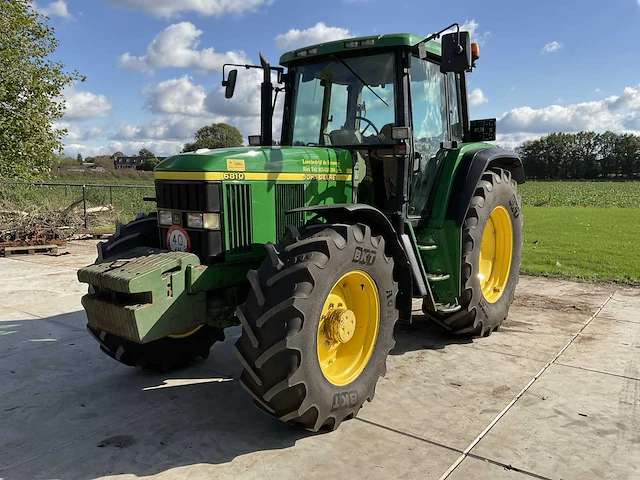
<point>429,106</point>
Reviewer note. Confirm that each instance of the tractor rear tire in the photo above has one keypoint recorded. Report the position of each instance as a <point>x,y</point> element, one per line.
<point>491,255</point>
<point>165,353</point>
<point>296,367</point>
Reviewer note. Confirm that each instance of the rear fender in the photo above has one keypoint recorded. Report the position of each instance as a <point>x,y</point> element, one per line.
<point>352,213</point>
<point>469,172</point>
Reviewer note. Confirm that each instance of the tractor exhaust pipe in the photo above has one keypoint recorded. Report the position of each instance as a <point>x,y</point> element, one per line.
<point>266,110</point>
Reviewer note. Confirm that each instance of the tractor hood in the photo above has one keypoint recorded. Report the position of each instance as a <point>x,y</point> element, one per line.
<point>254,163</point>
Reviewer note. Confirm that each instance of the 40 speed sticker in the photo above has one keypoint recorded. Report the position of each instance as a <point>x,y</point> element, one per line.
<point>178,239</point>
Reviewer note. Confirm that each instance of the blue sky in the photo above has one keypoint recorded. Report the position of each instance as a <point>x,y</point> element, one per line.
<point>153,67</point>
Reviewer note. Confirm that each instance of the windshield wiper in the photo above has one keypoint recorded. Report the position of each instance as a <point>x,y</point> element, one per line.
<point>359,78</point>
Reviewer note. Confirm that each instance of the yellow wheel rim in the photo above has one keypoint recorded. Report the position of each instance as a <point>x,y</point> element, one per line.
<point>348,327</point>
<point>496,250</point>
<point>186,333</point>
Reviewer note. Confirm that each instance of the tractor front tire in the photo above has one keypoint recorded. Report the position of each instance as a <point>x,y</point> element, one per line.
<point>491,255</point>
<point>167,353</point>
<point>317,326</point>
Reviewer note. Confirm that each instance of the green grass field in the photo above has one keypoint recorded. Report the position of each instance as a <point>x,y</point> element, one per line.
<point>596,244</point>
<point>582,230</point>
<point>581,194</point>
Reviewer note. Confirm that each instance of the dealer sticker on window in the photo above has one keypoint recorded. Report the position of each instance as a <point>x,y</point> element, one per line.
<point>178,239</point>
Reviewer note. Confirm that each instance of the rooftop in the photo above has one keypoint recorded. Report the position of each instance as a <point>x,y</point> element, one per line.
<point>386,40</point>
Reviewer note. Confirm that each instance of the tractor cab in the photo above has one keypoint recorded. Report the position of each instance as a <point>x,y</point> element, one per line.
<point>360,103</point>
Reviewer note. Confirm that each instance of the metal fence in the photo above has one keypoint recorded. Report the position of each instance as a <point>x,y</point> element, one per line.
<point>146,193</point>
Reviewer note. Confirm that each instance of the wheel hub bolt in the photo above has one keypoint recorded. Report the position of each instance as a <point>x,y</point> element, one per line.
<point>340,325</point>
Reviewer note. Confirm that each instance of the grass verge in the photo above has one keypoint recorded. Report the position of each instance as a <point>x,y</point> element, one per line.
<point>594,244</point>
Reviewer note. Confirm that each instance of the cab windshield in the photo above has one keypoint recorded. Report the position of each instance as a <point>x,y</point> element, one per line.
<point>344,101</point>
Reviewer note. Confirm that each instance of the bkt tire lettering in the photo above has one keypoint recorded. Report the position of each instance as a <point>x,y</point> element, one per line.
<point>344,400</point>
<point>364,256</point>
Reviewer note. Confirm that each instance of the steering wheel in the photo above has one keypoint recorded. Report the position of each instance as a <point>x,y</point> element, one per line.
<point>369,124</point>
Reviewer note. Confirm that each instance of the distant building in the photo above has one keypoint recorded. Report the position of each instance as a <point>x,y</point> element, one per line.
<point>131,162</point>
<point>128,162</point>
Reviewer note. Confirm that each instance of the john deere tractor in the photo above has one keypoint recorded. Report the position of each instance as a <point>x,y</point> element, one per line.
<point>381,191</point>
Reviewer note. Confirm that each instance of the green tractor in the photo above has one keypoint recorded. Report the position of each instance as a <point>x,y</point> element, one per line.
<point>380,192</point>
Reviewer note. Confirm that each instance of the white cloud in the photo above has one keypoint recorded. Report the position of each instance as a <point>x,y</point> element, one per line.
<point>476,97</point>
<point>177,95</point>
<point>162,148</point>
<point>83,104</point>
<point>319,33</point>
<point>510,141</point>
<point>552,47</point>
<point>76,133</point>
<point>616,113</point>
<point>170,8</point>
<point>177,46</point>
<point>171,127</point>
<point>57,8</point>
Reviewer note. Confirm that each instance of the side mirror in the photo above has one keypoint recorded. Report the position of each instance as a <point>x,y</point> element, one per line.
<point>456,52</point>
<point>230,83</point>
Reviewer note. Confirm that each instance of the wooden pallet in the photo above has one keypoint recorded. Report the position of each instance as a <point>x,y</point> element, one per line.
<point>30,250</point>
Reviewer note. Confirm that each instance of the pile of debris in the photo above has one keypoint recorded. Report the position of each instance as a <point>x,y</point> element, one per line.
<point>18,228</point>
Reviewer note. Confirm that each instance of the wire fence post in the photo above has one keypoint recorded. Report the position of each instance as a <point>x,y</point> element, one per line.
<point>110,195</point>
<point>84,204</point>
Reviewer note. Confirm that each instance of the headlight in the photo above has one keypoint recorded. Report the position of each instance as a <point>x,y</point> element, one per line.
<point>194,220</point>
<point>164,217</point>
<point>209,221</point>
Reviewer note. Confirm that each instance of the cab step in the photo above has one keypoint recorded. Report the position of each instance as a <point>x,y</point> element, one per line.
<point>427,248</point>
<point>447,308</point>
<point>438,277</point>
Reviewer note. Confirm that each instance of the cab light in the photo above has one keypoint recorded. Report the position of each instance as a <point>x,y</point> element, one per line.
<point>165,217</point>
<point>351,44</point>
<point>312,51</point>
<point>475,50</point>
<point>368,43</point>
<point>301,53</point>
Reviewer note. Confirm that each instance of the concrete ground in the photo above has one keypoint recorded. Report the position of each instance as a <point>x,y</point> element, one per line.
<point>515,405</point>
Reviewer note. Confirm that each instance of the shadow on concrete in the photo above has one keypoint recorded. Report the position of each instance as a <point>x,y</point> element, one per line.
<point>424,334</point>
<point>70,411</point>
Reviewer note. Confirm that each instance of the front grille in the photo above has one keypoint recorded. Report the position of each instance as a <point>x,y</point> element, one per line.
<point>188,195</point>
<point>288,197</point>
<point>238,218</point>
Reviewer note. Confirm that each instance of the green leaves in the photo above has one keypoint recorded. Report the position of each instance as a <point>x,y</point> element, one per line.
<point>583,155</point>
<point>30,86</point>
<point>216,135</point>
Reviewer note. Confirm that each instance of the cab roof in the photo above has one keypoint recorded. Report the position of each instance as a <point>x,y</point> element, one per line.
<point>387,40</point>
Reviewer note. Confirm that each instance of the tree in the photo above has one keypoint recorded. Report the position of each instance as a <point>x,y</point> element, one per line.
<point>79,158</point>
<point>216,135</point>
<point>144,153</point>
<point>149,164</point>
<point>118,154</point>
<point>104,161</point>
<point>30,87</point>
